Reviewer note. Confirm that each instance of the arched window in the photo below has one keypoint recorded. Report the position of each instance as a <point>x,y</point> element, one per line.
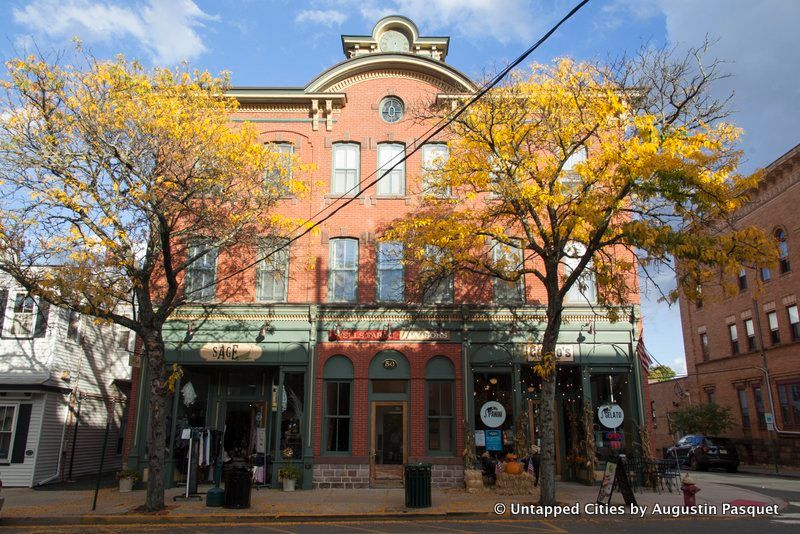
<point>440,406</point>
<point>584,289</point>
<point>338,402</point>
<point>783,250</point>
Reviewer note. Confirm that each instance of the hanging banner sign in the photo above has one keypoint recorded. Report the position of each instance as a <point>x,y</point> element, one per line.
<point>610,415</point>
<point>230,352</point>
<point>493,414</point>
<point>383,335</point>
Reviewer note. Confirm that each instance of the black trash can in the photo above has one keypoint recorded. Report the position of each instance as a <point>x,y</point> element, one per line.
<point>418,485</point>
<point>237,487</point>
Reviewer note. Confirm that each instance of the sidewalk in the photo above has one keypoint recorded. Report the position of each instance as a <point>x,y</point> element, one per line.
<point>769,470</point>
<point>25,506</point>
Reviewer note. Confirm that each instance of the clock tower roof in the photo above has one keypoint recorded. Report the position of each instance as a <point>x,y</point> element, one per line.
<point>394,34</point>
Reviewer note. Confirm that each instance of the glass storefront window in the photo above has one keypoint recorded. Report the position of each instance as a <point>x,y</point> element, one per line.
<point>292,408</point>
<point>493,387</point>
<point>243,383</point>
<point>612,388</point>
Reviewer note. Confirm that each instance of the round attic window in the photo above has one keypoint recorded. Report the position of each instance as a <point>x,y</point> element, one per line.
<point>391,109</point>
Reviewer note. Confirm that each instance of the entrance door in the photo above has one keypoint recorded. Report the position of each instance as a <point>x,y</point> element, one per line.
<point>245,429</point>
<point>388,447</point>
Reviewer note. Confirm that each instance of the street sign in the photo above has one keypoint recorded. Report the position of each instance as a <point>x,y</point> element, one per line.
<point>770,420</point>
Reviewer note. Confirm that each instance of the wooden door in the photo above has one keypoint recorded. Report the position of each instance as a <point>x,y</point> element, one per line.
<point>388,442</point>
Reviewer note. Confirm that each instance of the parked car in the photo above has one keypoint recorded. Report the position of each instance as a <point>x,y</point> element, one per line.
<point>701,452</point>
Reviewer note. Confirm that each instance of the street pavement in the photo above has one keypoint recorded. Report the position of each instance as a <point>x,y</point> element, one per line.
<point>383,510</point>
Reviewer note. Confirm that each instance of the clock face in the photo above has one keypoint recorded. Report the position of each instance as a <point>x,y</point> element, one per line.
<point>393,41</point>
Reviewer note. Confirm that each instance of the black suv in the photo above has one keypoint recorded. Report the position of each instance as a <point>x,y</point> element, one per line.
<point>703,452</point>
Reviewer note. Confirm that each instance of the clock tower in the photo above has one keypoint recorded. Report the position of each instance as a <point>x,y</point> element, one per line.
<point>395,35</point>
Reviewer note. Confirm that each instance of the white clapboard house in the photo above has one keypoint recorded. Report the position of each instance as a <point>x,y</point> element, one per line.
<point>63,377</point>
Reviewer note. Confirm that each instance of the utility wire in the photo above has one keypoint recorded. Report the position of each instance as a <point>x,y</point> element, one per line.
<point>431,133</point>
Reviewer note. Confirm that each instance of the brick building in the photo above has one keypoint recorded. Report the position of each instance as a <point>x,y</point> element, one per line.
<point>336,358</point>
<point>743,351</point>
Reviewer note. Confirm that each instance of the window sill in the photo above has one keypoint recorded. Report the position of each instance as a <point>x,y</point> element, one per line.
<point>334,196</point>
<point>390,197</point>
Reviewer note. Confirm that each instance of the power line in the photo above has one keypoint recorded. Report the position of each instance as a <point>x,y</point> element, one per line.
<point>431,133</point>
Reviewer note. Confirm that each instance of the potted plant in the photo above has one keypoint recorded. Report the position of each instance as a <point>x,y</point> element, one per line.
<point>127,478</point>
<point>289,474</point>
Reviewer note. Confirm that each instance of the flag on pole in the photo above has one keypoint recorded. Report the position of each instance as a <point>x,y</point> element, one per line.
<point>644,356</point>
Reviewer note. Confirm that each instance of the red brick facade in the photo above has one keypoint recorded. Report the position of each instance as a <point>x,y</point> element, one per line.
<point>720,375</point>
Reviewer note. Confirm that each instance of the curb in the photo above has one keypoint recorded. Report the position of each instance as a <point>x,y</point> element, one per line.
<point>160,519</point>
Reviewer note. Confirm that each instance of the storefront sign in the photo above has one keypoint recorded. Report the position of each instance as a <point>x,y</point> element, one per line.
<point>230,352</point>
<point>383,335</point>
<point>389,363</point>
<point>493,414</point>
<point>494,440</point>
<point>564,353</point>
<point>610,415</point>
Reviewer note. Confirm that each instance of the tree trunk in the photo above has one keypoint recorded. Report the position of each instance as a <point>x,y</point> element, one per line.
<point>547,408</point>
<point>157,409</point>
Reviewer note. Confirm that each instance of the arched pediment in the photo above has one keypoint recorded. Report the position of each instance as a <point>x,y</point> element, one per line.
<point>347,73</point>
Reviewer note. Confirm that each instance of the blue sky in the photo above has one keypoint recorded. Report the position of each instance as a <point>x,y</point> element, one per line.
<point>288,42</point>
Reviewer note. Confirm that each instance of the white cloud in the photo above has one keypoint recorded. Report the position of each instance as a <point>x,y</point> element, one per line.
<point>510,20</point>
<point>760,41</point>
<point>324,17</point>
<point>167,29</point>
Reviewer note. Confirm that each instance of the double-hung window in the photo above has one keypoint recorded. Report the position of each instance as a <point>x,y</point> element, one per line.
<point>742,280</point>
<point>744,408</point>
<point>751,334</point>
<point>794,322</point>
<point>343,276</point>
<point>774,331</point>
<point>73,325</point>
<point>704,346</point>
<point>789,399</point>
<point>734,339</point>
<point>434,158</point>
<point>508,259</point>
<point>24,315</point>
<point>391,284</point>
<point>8,422</point>
<point>279,171</point>
<point>570,178</point>
<point>760,410</point>
<point>346,164</point>
<point>391,182</point>
<point>337,415</point>
<point>584,289</point>
<point>273,269</point>
<point>783,251</point>
<point>201,273</point>
<point>439,289</point>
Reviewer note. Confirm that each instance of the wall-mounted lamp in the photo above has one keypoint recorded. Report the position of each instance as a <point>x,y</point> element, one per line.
<point>389,329</point>
<point>439,326</point>
<point>590,324</point>
<point>337,330</point>
<point>190,328</point>
<point>265,329</point>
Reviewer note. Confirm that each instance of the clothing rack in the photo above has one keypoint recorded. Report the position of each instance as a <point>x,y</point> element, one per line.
<point>206,439</point>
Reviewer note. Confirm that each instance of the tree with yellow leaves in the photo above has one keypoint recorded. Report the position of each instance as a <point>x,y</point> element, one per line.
<point>572,176</point>
<point>120,180</point>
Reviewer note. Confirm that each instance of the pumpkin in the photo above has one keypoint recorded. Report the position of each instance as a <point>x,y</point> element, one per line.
<point>513,468</point>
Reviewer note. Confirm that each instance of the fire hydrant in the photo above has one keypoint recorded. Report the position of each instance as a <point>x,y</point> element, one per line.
<point>689,490</point>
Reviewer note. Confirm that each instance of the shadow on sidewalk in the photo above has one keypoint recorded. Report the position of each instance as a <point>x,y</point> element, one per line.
<point>108,480</point>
